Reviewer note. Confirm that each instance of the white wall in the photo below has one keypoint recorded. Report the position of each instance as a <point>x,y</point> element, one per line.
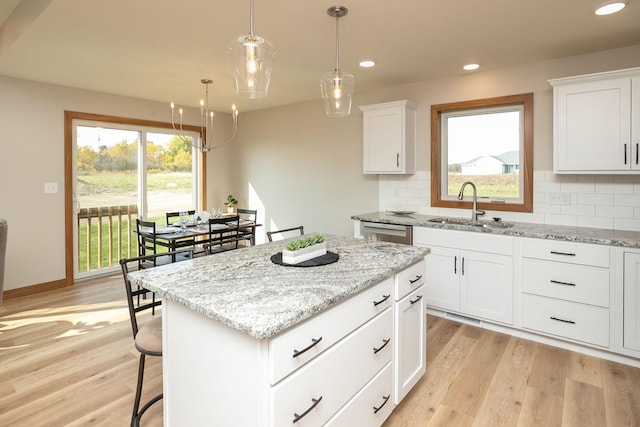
<point>32,153</point>
<point>602,201</point>
<point>302,167</point>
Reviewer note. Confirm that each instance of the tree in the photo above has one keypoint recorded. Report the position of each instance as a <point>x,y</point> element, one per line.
<point>87,159</point>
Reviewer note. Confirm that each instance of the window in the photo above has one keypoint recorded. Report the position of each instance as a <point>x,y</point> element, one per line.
<point>488,142</point>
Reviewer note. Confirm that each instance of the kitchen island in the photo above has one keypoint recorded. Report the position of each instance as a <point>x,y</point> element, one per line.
<point>248,342</point>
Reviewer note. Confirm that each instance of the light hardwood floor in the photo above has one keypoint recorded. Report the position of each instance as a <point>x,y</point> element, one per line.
<point>67,359</point>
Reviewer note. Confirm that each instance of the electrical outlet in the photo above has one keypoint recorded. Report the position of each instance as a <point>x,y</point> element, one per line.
<point>559,198</point>
<point>50,187</point>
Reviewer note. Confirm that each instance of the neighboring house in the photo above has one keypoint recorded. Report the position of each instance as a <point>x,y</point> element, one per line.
<point>506,162</point>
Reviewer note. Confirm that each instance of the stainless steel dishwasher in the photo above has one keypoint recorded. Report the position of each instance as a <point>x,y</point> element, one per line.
<point>395,233</point>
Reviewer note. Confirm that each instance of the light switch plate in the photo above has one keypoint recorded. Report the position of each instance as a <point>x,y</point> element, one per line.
<point>50,187</point>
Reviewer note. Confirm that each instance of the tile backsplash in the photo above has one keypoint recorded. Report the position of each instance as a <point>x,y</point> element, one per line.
<point>600,201</point>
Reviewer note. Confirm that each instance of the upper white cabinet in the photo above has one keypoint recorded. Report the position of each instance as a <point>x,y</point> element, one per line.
<point>596,126</point>
<point>389,133</point>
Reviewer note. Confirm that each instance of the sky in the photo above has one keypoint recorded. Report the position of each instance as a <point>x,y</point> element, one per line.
<point>482,134</point>
<point>97,136</point>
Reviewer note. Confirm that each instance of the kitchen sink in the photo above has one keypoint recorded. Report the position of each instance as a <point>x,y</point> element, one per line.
<point>471,223</point>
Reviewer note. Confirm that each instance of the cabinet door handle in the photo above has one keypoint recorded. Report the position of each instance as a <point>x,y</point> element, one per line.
<point>558,319</point>
<point>384,298</point>
<point>398,160</point>
<point>297,417</point>
<point>386,399</point>
<point>314,342</point>
<point>463,266</point>
<point>637,152</point>
<point>558,282</point>
<point>562,253</point>
<point>625,154</point>
<point>375,350</point>
<point>416,279</point>
<point>455,264</point>
<point>418,298</point>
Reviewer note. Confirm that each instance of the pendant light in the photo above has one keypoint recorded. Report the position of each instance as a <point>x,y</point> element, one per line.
<point>252,59</point>
<point>337,86</point>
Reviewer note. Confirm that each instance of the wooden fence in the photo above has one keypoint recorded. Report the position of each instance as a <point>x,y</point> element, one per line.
<point>104,236</point>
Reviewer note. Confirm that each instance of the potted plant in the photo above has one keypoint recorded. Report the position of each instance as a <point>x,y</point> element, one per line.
<point>304,249</point>
<point>230,202</point>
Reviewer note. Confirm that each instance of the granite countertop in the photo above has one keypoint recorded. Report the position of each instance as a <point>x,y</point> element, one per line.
<point>243,289</point>
<point>600,236</point>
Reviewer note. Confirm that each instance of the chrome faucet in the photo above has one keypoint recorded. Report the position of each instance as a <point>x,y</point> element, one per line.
<point>475,213</point>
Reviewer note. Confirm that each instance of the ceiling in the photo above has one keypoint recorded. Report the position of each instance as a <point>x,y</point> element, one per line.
<point>160,49</point>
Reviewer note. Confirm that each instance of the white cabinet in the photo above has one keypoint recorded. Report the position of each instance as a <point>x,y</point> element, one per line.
<point>410,351</point>
<point>469,273</point>
<point>566,290</point>
<point>389,138</point>
<point>631,327</point>
<point>597,123</point>
<point>336,368</point>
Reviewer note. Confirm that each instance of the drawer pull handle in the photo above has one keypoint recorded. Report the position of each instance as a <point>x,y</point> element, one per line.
<point>416,279</point>
<point>314,341</point>
<point>375,350</point>
<point>562,253</point>
<point>386,399</point>
<point>297,417</point>
<point>416,300</point>
<point>562,320</point>
<point>558,282</point>
<point>386,297</point>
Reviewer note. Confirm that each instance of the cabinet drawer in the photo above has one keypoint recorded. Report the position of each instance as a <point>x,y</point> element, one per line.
<point>409,279</point>
<point>578,283</point>
<point>371,406</point>
<point>566,319</point>
<point>569,252</point>
<point>326,329</point>
<point>333,378</point>
<point>464,240</point>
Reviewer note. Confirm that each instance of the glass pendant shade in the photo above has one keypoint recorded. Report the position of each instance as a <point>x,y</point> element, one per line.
<point>337,93</point>
<point>252,60</point>
<point>336,86</point>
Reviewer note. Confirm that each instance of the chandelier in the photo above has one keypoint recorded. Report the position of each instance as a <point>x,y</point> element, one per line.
<point>337,86</point>
<point>252,59</point>
<point>205,142</point>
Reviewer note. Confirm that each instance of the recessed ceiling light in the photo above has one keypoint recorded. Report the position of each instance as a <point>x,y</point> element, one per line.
<point>367,63</point>
<point>471,67</point>
<point>610,7</point>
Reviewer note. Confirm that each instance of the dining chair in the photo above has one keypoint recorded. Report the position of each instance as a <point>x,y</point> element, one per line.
<point>146,326</point>
<point>220,241</point>
<point>182,243</point>
<point>290,231</point>
<point>248,233</point>
<point>148,245</point>
<point>172,216</point>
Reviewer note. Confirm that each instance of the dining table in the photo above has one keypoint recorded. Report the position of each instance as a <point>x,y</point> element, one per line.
<point>170,235</point>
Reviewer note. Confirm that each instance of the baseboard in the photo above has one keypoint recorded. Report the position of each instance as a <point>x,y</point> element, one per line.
<point>34,289</point>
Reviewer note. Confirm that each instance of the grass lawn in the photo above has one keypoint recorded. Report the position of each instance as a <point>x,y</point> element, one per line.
<point>500,185</point>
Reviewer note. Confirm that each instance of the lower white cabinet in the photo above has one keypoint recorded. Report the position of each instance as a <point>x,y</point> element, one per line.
<point>631,326</point>
<point>566,290</point>
<point>472,275</point>
<point>410,351</point>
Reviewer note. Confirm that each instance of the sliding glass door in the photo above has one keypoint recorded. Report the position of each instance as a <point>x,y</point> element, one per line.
<point>124,171</point>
